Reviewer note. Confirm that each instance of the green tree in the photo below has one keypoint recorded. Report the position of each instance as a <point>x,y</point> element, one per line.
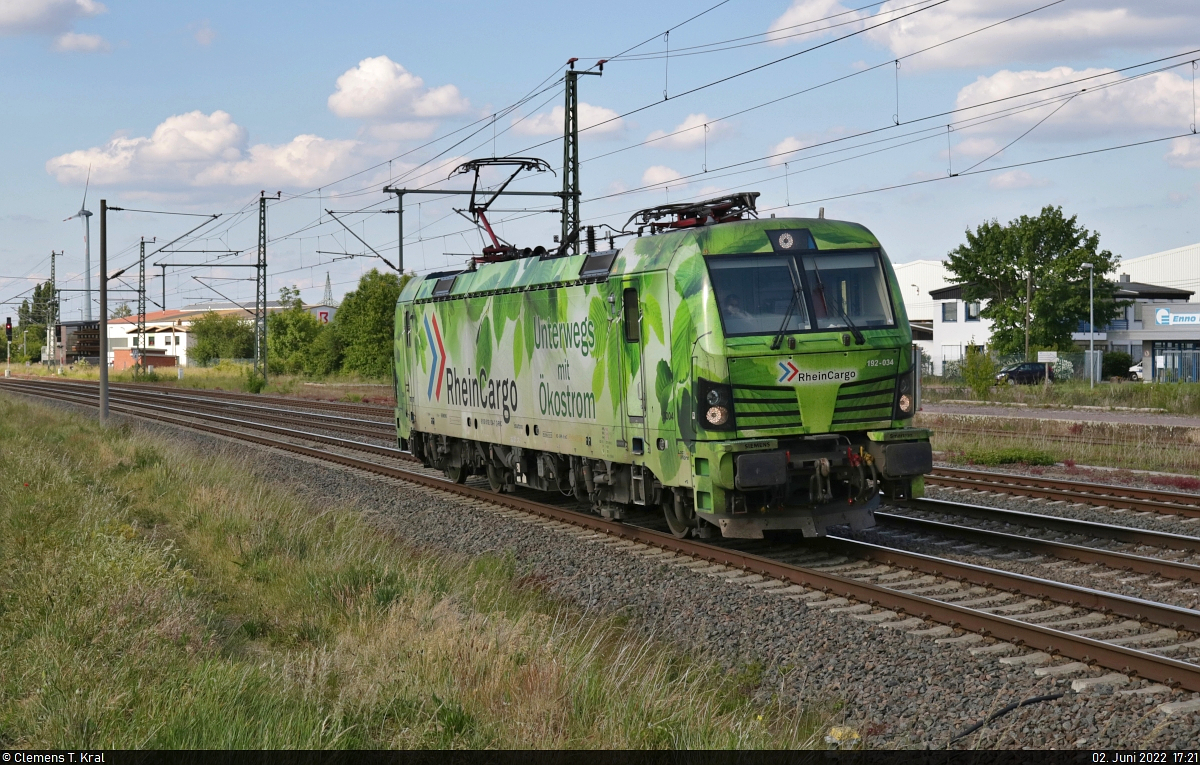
<point>290,333</point>
<point>1033,267</point>
<point>36,309</point>
<point>325,355</point>
<point>221,336</point>
<point>121,311</point>
<point>365,323</point>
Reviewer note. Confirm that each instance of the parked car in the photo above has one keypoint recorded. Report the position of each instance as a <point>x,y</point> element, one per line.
<point>1026,373</point>
<point>1135,372</point>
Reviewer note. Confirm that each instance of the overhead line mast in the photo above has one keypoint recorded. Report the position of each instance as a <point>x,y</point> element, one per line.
<point>260,293</point>
<point>570,210</point>
<point>568,241</point>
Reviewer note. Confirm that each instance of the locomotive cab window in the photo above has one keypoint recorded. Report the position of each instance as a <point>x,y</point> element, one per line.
<point>848,289</point>
<point>755,293</point>
<point>629,303</point>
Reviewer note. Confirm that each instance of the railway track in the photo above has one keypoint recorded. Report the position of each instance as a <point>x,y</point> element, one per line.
<point>1080,623</point>
<point>1102,495</point>
<point>1061,438</point>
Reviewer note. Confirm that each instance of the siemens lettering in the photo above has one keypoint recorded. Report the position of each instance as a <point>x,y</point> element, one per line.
<point>480,392</point>
<point>565,334</point>
<point>565,403</point>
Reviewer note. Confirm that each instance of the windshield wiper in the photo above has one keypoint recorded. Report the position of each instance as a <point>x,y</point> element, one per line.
<point>858,336</point>
<point>787,318</point>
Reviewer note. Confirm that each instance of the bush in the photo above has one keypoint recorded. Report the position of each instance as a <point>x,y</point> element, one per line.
<point>1010,456</point>
<point>1116,364</point>
<point>979,372</point>
<point>254,381</point>
<point>221,337</point>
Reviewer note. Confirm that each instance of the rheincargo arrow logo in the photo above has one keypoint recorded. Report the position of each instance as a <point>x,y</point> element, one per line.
<point>790,373</point>
<point>438,367</point>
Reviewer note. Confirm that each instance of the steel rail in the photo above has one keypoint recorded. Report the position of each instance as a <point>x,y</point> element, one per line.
<point>367,428</point>
<point>386,451</point>
<point>1103,495</point>
<point>378,410</point>
<point>1060,592</point>
<point>1122,561</point>
<point>1126,534</point>
<point>1148,665</point>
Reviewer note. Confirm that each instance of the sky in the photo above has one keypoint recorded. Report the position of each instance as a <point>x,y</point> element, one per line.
<point>917,118</point>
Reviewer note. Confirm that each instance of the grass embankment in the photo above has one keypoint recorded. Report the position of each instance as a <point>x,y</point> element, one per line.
<point>1008,440</point>
<point>234,376</point>
<point>154,597</point>
<point>1176,398</point>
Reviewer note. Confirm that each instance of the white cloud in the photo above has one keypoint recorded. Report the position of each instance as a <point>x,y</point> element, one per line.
<point>380,89</point>
<point>1185,152</point>
<point>804,17</point>
<point>204,34</point>
<point>597,120</point>
<point>976,147</point>
<point>781,152</point>
<point>689,134</point>
<point>402,131</point>
<point>74,42</point>
<point>660,174</point>
<point>53,17</point>
<point>199,150</point>
<point>1085,28</point>
<point>1160,101</point>
<point>1017,179</point>
<point>49,17</point>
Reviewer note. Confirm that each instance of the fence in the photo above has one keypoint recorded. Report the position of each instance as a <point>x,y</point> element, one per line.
<point>1177,366</point>
<point>1070,366</point>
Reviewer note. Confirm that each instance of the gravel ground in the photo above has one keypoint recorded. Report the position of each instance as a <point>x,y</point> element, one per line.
<point>897,690</point>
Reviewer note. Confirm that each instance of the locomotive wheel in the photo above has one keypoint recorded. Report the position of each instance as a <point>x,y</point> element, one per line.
<point>495,479</point>
<point>681,527</point>
<point>456,474</point>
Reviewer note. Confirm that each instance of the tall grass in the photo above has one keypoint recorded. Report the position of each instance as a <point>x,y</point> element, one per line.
<point>155,596</point>
<point>1177,398</point>
<point>968,438</point>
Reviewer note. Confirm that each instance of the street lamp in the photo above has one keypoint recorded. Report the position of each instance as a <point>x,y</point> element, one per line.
<point>1091,326</point>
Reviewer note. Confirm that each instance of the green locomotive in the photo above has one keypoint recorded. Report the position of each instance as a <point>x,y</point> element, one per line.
<point>741,374</point>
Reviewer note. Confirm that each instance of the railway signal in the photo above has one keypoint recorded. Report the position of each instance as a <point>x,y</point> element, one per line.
<point>8,329</point>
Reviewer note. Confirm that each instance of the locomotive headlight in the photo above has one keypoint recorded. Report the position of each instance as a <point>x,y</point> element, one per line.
<point>716,415</point>
<point>714,409</point>
<point>905,405</point>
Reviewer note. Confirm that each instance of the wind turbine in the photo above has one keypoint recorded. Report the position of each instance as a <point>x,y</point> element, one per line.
<point>87,248</point>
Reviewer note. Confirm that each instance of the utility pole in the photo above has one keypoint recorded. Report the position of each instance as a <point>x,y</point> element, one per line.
<point>1028,297</point>
<point>51,315</point>
<point>103,311</point>
<point>163,266</point>
<point>570,211</point>
<point>1091,325</point>
<point>141,325</point>
<point>260,297</point>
